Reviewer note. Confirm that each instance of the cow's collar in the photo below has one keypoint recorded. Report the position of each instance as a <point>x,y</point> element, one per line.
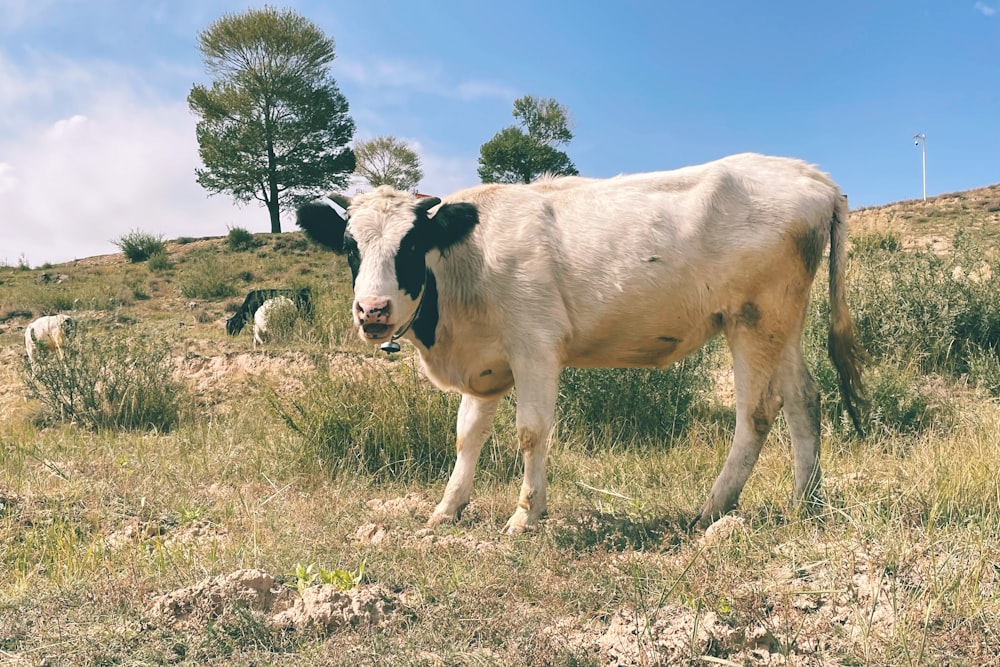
<point>391,345</point>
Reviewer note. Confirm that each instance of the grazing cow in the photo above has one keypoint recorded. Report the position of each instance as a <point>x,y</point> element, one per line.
<point>47,333</point>
<point>503,285</point>
<point>255,298</point>
<point>262,318</point>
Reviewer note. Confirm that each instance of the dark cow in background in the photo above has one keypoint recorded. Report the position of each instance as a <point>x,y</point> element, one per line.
<point>302,298</point>
<point>503,285</point>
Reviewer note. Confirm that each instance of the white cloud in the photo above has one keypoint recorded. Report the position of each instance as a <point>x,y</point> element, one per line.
<point>475,90</point>
<point>69,187</point>
<point>445,174</point>
<point>397,75</point>
<point>20,12</point>
<point>88,153</point>
<point>985,9</point>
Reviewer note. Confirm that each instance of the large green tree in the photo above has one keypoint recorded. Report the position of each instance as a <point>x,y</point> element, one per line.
<point>387,160</point>
<point>522,154</point>
<point>273,125</point>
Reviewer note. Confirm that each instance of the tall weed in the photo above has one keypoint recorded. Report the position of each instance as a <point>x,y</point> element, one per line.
<point>208,277</point>
<point>107,382</point>
<point>935,310</point>
<point>239,239</point>
<point>650,405</point>
<point>388,423</point>
<point>138,246</point>
<point>924,318</point>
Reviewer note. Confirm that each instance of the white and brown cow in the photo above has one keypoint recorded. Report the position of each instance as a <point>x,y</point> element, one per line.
<point>500,286</point>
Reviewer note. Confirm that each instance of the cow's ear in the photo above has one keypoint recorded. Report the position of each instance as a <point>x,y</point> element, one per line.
<point>322,224</point>
<point>452,224</point>
<point>340,200</point>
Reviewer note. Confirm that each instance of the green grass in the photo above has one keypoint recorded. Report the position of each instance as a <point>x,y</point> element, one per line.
<point>286,456</point>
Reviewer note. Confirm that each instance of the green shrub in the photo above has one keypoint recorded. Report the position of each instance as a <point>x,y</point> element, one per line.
<point>292,243</point>
<point>387,423</point>
<point>904,401</point>
<point>936,310</point>
<point>159,261</point>
<point>651,406</point>
<point>924,318</point>
<point>876,241</point>
<point>138,246</point>
<point>110,382</point>
<point>984,370</point>
<point>207,277</point>
<point>240,239</point>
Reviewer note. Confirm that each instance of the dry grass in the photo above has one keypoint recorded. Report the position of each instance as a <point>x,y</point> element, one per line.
<point>899,568</point>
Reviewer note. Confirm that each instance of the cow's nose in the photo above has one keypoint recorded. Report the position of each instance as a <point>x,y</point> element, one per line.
<point>372,310</point>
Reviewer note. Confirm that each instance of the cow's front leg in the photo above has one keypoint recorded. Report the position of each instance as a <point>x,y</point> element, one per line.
<point>475,421</point>
<point>537,389</point>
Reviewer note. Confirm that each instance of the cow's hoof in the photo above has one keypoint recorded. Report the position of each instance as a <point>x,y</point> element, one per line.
<point>437,519</point>
<point>703,520</point>
<point>520,522</point>
<point>444,516</point>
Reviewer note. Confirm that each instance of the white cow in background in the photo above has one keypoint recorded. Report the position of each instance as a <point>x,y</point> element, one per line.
<point>262,318</point>
<point>47,333</point>
<point>500,286</point>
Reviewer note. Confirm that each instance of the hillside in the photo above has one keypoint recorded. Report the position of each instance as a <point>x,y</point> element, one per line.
<point>932,223</point>
<point>186,303</point>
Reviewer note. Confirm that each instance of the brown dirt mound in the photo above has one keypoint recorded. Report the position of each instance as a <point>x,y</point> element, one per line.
<point>323,607</point>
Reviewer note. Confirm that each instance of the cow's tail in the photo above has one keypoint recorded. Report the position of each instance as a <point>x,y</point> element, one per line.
<point>846,353</point>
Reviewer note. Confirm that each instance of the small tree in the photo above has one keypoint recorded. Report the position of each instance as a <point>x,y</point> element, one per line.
<point>516,155</point>
<point>386,160</point>
<point>273,126</point>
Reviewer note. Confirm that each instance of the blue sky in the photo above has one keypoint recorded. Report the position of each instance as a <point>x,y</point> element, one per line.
<point>96,139</point>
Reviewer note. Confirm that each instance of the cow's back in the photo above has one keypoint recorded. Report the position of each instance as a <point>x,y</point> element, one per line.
<point>637,270</point>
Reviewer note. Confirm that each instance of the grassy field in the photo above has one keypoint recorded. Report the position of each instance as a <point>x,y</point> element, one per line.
<point>230,506</point>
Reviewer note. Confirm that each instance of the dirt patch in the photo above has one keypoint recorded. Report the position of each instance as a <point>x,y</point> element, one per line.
<point>137,531</point>
<point>323,607</point>
<point>12,389</point>
<point>939,245</point>
<point>217,375</point>
<point>330,609</point>
<point>411,504</point>
<point>670,637</point>
<point>804,615</point>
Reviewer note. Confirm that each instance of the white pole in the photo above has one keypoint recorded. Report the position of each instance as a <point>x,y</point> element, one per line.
<point>921,139</point>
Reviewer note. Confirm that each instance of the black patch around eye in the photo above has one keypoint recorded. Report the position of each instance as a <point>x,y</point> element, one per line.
<point>353,256</point>
<point>411,262</point>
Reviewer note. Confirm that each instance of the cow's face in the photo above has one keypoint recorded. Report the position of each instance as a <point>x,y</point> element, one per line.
<point>386,238</point>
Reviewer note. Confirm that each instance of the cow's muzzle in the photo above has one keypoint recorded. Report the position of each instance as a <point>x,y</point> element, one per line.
<point>372,316</point>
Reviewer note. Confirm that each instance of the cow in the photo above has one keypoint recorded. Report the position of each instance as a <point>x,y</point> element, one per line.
<point>48,333</point>
<point>255,298</point>
<point>262,319</point>
<point>502,285</point>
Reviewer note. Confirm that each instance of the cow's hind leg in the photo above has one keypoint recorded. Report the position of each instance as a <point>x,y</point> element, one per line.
<point>801,411</point>
<point>475,422</point>
<point>757,356</point>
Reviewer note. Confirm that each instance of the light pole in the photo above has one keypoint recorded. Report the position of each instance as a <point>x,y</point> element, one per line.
<point>921,140</point>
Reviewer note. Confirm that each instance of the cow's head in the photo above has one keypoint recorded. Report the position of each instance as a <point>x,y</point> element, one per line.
<point>235,324</point>
<point>386,237</point>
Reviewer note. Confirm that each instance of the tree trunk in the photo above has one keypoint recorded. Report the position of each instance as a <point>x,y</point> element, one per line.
<point>274,210</point>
